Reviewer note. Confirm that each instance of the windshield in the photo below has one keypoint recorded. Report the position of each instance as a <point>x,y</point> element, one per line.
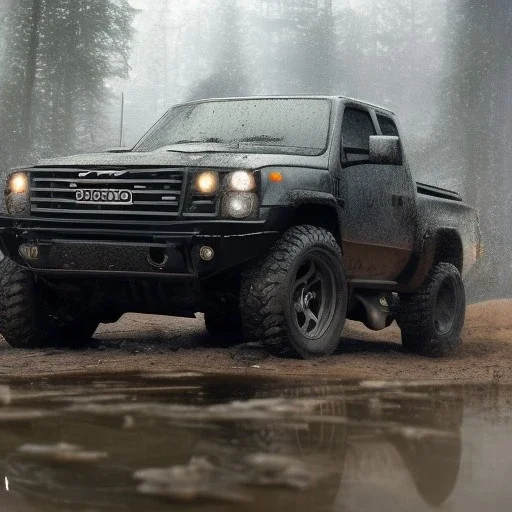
<point>296,126</point>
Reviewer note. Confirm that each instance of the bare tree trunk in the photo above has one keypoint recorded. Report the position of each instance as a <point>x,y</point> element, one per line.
<point>30,77</point>
<point>328,7</point>
<point>5,8</point>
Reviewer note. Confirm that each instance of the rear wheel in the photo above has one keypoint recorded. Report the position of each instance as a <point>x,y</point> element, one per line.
<point>27,320</point>
<point>432,319</point>
<point>294,300</point>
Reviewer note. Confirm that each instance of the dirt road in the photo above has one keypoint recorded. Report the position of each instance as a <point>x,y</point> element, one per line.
<point>140,343</point>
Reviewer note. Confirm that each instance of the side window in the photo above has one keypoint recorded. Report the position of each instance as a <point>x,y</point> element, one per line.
<point>387,126</point>
<point>357,126</point>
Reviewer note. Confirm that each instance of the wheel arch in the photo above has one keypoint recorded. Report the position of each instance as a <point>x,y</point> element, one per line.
<point>449,248</point>
<point>442,245</point>
<point>317,209</point>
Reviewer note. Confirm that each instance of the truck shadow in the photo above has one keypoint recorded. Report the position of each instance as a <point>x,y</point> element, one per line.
<point>145,334</point>
<point>352,345</point>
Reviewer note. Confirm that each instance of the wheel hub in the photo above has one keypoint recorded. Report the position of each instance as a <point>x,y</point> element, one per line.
<point>314,297</point>
<point>445,307</point>
<point>306,298</point>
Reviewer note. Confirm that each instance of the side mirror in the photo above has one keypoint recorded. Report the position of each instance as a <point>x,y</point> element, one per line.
<point>385,150</point>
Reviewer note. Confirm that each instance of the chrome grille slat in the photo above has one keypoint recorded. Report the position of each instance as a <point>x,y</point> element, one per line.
<point>157,203</point>
<point>108,181</point>
<point>103,212</point>
<point>72,201</point>
<point>135,191</point>
<point>157,193</point>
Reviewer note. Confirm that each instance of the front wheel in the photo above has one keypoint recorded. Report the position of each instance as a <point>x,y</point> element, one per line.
<point>27,319</point>
<point>432,319</point>
<point>294,300</point>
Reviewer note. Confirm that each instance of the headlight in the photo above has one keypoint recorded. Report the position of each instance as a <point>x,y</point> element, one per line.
<point>242,181</point>
<point>207,182</point>
<point>239,205</point>
<point>18,183</point>
<point>17,201</point>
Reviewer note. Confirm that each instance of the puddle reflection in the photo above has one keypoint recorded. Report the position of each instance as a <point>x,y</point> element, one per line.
<point>213,443</point>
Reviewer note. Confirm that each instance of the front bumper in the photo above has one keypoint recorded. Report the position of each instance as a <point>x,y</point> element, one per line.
<point>173,253</point>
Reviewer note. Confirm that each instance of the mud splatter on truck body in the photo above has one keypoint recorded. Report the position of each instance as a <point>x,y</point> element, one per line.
<point>278,216</point>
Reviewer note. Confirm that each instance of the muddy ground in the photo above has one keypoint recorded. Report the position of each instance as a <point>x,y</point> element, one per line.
<point>141,343</point>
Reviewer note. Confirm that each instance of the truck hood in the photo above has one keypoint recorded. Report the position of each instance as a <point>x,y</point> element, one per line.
<point>187,158</point>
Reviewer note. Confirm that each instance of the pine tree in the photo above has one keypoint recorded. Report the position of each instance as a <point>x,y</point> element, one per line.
<point>295,47</point>
<point>59,55</point>
<point>16,83</point>
<point>478,106</point>
<point>228,77</point>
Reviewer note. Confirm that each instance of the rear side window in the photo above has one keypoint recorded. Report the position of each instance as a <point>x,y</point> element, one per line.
<point>357,126</point>
<point>387,126</point>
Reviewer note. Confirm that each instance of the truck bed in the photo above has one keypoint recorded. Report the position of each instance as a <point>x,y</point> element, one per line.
<point>443,193</point>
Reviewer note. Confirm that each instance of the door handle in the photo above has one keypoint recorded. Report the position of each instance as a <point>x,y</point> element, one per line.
<point>397,201</point>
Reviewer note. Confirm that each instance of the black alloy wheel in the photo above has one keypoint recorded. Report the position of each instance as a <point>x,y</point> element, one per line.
<point>445,305</point>
<point>313,295</point>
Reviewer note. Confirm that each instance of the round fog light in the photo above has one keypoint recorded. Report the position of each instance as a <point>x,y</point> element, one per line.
<point>206,253</point>
<point>239,204</point>
<point>29,251</point>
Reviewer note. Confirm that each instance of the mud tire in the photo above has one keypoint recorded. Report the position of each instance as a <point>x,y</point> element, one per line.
<point>25,318</point>
<point>419,314</point>
<point>266,298</point>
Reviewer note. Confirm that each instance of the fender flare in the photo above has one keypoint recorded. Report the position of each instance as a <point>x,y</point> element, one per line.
<point>297,199</point>
<point>428,255</point>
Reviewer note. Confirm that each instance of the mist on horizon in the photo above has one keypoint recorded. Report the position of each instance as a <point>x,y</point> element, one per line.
<point>444,67</point>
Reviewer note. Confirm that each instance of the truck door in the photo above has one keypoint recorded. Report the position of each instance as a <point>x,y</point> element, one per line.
<point>379,201</point>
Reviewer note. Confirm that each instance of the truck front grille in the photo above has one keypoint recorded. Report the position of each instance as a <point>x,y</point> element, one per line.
<point>156,194</point>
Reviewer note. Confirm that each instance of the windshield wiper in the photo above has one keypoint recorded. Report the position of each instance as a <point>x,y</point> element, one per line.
<point>262,138</point>
<point>211,140</point>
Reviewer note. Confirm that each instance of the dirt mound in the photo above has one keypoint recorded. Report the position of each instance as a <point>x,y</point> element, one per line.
<point>491,320</point>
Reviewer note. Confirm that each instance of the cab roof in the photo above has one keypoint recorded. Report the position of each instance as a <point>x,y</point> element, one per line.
<point>297,96</point>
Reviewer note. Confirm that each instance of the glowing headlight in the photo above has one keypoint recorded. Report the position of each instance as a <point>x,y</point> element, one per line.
<point>207,182</point>
<point>18,183</point>
<point>242,181</point>
<point>239,205</point>
<point>17,201</point>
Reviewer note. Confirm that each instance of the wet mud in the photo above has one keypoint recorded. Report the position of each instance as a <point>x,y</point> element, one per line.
<point>188,441</point>
<point>161,345</point>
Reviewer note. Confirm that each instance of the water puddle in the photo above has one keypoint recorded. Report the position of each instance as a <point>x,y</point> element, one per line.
<point>192,442</point>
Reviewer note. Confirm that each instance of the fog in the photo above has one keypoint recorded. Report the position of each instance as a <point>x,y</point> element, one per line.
<point>444,66</point>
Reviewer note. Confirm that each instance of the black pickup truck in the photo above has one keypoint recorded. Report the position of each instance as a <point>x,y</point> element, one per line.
<point>277,217</point>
